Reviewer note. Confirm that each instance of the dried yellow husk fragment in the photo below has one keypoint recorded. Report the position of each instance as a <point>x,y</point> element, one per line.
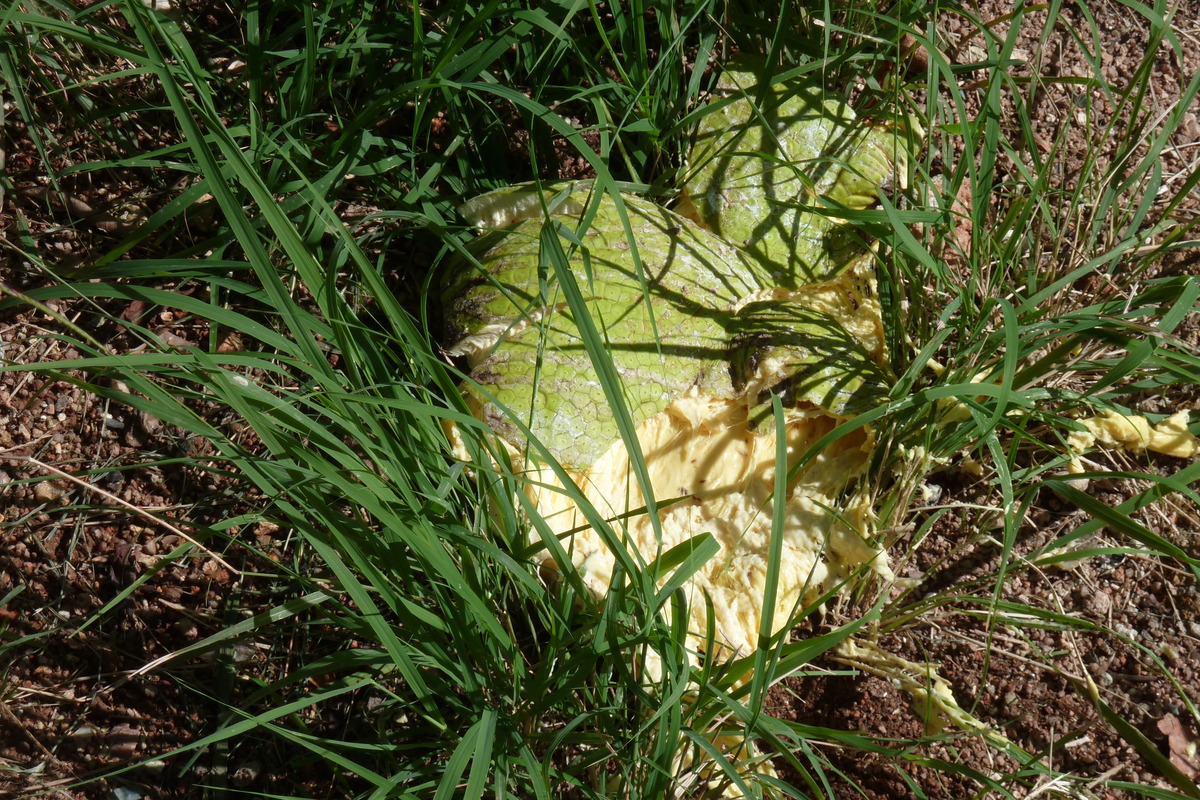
<point>1136,434</point>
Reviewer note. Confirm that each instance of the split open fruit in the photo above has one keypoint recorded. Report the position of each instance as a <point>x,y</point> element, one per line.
<point>695,319</point>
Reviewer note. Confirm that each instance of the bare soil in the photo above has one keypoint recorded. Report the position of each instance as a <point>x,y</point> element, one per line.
<point>75,706</point>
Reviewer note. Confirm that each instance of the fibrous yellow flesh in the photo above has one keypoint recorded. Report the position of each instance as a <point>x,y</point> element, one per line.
<point>1135,434</point>
<point>700,452</point>
<point>851,298</point>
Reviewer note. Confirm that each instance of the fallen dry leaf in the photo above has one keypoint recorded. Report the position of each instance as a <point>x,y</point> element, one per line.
<point>1178,745</point>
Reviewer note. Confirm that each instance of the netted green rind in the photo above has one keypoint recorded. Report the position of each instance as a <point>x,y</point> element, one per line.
<point>768,158</point>
<point>534,362</point>
<point>696,330</point>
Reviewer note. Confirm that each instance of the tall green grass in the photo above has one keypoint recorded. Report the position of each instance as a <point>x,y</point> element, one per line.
<point>1015,313</point>
<point>469,675</point>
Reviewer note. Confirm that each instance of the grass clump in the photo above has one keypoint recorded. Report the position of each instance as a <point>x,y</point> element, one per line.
<point>283,181</point>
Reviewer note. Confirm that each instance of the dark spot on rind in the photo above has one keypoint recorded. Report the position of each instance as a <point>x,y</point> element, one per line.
<point>500,423</point>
